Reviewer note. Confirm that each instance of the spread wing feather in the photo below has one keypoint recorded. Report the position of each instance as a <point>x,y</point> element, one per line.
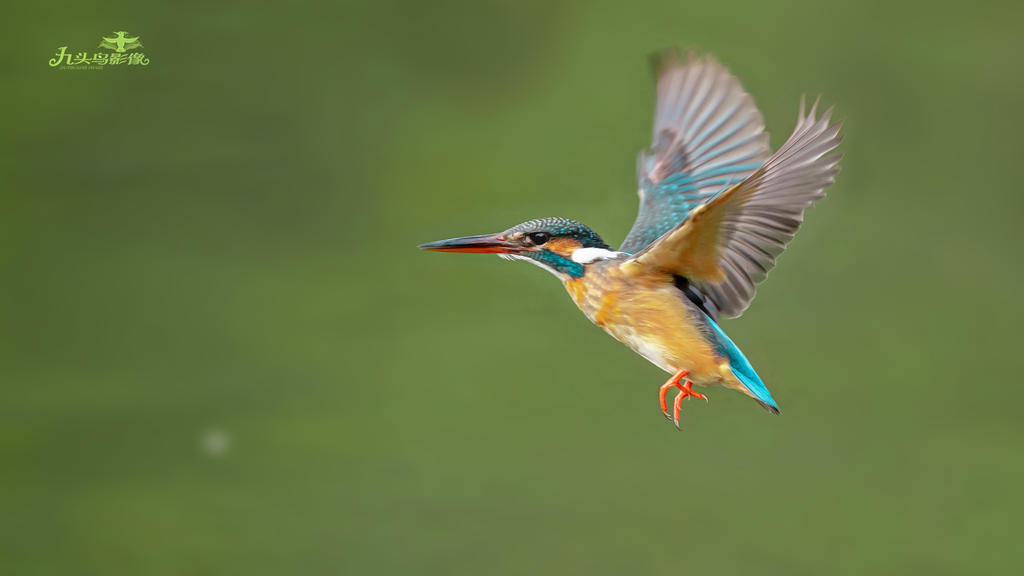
<point>708,135</point>
<point>727,246</point>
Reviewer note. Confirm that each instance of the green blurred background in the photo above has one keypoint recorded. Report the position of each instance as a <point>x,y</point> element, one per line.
<point>221,353</point>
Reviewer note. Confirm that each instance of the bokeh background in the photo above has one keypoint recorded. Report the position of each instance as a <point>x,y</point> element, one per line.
<point>221,353</point>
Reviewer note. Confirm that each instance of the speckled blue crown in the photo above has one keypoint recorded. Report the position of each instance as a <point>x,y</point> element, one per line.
<point>562,227</point>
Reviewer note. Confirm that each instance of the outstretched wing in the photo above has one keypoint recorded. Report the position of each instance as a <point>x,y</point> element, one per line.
<point>108,43</point>
<point>708,135</point>
<point>729,244</point>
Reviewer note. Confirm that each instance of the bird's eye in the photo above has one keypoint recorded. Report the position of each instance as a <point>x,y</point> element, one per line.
<point>538,238</point>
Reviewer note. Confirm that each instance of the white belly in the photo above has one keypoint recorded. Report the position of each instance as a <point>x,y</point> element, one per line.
<point>646,347</point>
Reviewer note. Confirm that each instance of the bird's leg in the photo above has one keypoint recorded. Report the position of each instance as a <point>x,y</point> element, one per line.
<point>672,382</point>
<point>685,389</point>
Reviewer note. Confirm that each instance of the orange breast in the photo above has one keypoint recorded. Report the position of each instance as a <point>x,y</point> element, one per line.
<point>647,313</point>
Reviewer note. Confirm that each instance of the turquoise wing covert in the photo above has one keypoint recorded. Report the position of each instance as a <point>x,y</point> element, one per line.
<point>708,135</point>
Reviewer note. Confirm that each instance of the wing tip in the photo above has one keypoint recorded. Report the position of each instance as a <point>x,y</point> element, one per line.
<point>673,58</point>
<point>663,60</point>
<point>811,117</point>
<point>803,114</point>
<point>669,58</point>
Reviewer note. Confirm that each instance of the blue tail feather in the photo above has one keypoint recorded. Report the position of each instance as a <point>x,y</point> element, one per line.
<point>741,368</point>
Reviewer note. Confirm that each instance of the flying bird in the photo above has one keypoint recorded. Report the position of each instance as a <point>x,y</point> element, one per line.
<point>119,43</point>
<point>716,209</point>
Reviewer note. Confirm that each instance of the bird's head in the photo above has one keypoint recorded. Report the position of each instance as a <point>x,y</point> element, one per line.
<point>562,246</point>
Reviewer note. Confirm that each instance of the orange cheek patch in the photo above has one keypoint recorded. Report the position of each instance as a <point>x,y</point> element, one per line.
<point>562,246</point>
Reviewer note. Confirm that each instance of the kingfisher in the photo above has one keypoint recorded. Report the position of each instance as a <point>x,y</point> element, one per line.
<point>716,210</point>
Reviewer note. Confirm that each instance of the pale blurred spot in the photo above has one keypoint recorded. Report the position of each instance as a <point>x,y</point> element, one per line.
<point>215,442</point>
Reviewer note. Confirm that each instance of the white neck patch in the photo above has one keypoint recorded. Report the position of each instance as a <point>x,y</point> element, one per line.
<point>588,255</point>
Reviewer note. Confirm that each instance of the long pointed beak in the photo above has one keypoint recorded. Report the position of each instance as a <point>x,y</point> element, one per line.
<point>484,244</point>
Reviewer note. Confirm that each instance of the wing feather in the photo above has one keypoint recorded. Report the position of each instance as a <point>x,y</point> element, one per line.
<point>708,135</point>
<point>728,245</point>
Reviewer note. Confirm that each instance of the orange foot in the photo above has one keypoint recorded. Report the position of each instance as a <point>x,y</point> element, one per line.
<point>685,389</point>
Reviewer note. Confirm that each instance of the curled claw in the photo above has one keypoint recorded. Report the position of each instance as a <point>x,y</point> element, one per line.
<point>673,382</point>
<point>664,392</point>
<point>685,390</point>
